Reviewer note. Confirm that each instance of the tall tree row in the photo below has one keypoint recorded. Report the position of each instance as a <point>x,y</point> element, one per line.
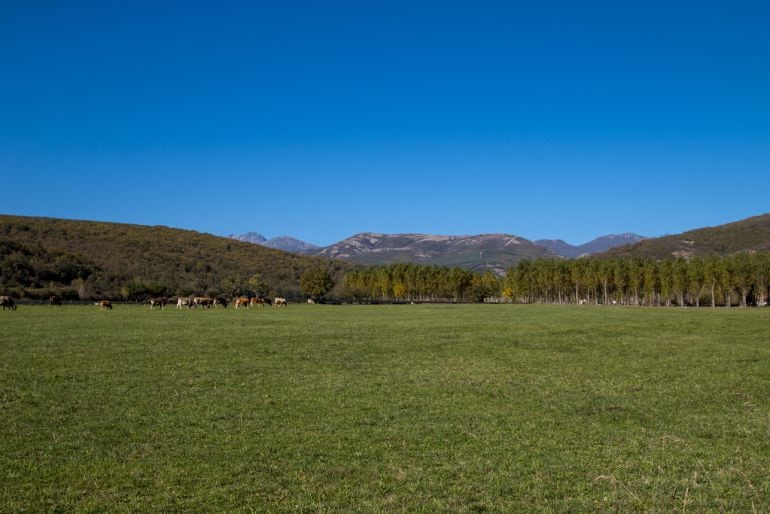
<point>420,283</point>
<point>736,280</point>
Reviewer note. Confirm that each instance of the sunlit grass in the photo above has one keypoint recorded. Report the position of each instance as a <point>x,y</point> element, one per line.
<point>412,407</point>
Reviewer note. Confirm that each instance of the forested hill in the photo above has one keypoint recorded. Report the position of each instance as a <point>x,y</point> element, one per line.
<point>751,234</point>
<point>90,259</point>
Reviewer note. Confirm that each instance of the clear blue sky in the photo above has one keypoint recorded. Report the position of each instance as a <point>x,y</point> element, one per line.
<point>323,119</point>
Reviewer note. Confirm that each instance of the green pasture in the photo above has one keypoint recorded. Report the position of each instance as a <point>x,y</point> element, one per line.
<point>504,408</point>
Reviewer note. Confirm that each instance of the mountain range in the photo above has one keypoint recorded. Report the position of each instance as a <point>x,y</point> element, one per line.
<point>495,252</point>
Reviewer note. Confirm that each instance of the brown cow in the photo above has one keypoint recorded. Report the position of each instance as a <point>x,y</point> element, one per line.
<point>279,301</point>
<point>257,301</point>
<point>104,304</point>
<point>7,303</point>
<point>241,301</point>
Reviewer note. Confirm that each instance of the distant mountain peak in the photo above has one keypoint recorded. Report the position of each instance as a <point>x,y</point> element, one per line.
<point>289,244</point>
<point>285,243</point>
<point>249,237</point>
<point>604,243</point>
<point>598,245</point>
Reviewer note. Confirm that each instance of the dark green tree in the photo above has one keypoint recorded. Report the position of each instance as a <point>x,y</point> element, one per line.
<point>316,282</point>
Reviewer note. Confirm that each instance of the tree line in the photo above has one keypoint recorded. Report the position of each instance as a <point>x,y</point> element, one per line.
<point>740,279</point>
<point>404,282</point>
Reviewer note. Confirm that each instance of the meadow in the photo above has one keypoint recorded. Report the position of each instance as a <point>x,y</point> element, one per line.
<point>385,408</point>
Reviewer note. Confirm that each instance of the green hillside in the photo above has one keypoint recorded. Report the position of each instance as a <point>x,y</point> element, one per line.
<point>751,234</point>
<point>87,259</point>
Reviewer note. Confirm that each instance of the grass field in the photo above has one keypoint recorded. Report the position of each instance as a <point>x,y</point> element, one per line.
<point>373,408</point>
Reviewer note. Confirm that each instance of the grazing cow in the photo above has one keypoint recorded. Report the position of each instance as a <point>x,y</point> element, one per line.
<point>183,301</point>
<point>220,300</point>
<point>54,300</point>
<point>104,304</point>
<point>157,302</point>
<point>7,303</point>
<point>279,301</point>
<point>257,301</point>
<point>202,301</point>
<point>242,301</point>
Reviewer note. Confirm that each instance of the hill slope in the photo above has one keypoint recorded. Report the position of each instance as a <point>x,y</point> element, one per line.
<point>113,258</point>
<point>495,252</point>
<point>745,235</point>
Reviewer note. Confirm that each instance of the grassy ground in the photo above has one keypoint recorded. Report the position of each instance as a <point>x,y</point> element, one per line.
<point>371,408</point>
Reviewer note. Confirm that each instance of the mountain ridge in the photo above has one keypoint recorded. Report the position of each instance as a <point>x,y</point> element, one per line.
<point>494,249</point>
<point>495,252</point>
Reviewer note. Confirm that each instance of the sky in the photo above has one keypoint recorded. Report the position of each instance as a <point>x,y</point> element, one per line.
<point>319,120</point>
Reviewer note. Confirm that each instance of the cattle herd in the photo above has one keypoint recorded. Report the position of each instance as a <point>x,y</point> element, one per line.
<point>191,302</point>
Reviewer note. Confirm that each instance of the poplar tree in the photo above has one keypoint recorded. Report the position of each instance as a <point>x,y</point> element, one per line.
<point>679,280</point>
<point>711,272</point>
<point>695,279</point>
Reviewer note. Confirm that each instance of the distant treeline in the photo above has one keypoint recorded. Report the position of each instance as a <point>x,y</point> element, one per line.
<point>741,279</point>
